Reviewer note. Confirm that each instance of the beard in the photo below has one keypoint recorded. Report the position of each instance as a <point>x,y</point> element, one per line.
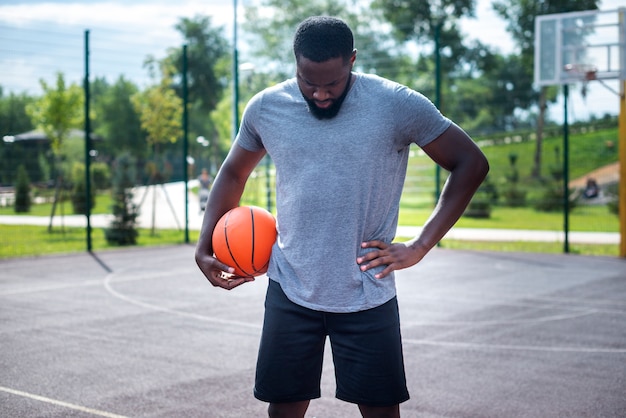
<point>332,110</point>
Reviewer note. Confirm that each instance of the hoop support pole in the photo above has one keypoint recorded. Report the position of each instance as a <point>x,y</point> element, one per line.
<point>622,168</point>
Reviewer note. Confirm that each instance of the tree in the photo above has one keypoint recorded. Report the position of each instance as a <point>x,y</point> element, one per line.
<point>477,82</point>
<point>207,53</point>
<point>209,68</point>
<point>58,111</point>
<point>469,93</point>
<point>160,113</point>
<point>118,120</point>
<point>13,117</point>
<point>419,20</point>
<point>270,27</point>
<point>495,95</point>
<point>520,16</point>
<point>14,120</point>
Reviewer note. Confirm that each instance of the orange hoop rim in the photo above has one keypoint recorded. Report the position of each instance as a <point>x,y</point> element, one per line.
<point>586,72</point>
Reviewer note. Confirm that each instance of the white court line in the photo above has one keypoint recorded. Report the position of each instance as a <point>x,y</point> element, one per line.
<point>60,403</point>
<point>47,288</point>
<point>479,322</point>
<point>109,288</point>
<point>456,344</point>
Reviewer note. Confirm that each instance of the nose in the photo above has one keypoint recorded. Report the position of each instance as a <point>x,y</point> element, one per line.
<point>320,94</point>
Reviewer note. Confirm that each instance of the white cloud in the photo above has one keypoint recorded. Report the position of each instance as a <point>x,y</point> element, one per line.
<point>153,14</point>
<point>42,38</point>
<point>488,27</point>
<point>21,71</point>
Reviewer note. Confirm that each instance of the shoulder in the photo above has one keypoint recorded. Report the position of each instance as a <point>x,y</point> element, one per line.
<point>376,81</point>
<point>285,90</point>
<point>378,85</point>
<point>272,99</point>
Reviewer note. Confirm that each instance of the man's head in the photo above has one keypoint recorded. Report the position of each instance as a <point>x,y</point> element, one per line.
<point>320,38</point>
<point>324,51</point>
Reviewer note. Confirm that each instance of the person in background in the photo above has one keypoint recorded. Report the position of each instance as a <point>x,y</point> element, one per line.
<point>204,180</point>
<point>592,189</point>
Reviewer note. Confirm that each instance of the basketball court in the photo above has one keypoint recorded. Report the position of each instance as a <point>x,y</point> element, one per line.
<point>141,333</point>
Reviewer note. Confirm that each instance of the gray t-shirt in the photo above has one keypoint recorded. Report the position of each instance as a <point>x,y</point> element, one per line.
<point>338,183</point>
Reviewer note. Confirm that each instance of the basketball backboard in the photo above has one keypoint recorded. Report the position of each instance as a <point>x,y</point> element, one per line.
<point>580,46</point>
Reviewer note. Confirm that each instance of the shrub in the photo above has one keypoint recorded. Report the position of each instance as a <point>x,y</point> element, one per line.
<point>100,176</point>
<point>22,191</point>
<point>79,190</point>
<point>122,230</point>
<point>551,198</point>
<point>479,207</point>
<point>514,195</point>
<point>612,191</point>
<point>484,198</point>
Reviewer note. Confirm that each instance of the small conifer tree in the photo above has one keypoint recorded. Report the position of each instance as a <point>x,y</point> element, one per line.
<point>22,191</point>
<point>79,190</point>
<point>122,230</point>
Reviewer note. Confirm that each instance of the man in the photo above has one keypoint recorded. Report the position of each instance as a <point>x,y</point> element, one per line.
<point>340,143</point>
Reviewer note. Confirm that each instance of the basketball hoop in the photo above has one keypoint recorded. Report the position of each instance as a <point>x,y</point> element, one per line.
<point>584,73</point>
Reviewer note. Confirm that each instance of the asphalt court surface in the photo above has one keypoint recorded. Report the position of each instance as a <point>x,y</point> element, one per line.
<point>141,333</point>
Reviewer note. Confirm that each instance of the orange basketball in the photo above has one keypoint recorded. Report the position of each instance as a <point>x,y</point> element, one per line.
<point>243,239</point>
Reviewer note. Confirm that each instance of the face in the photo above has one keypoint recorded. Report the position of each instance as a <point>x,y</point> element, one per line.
<point>324,85</point>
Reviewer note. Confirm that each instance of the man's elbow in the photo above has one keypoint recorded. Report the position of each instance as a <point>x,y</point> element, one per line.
<point>484,166</point>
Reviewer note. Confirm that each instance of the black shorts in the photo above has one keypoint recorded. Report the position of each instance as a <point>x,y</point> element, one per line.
<point>366,347</point>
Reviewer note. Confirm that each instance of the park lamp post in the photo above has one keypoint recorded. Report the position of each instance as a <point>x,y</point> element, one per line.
<point>204,143</point>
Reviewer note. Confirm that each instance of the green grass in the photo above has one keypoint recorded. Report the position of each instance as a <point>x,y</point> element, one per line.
<point>103,205</point>
<point>28,240</point>
<point>533,247</point>
<point>582,218</point>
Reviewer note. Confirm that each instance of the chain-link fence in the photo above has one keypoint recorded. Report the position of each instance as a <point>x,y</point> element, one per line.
<point>114,58</point>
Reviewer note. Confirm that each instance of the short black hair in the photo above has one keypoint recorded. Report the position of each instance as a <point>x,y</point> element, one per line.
<point>320,38</point>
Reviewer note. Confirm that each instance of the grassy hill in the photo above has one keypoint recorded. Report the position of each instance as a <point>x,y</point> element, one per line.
<point>587,151</point>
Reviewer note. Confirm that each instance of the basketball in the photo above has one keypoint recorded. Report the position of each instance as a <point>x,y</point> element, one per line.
<point>243,239</point>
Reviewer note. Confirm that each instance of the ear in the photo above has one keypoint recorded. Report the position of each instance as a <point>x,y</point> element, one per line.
<point>353,57</point>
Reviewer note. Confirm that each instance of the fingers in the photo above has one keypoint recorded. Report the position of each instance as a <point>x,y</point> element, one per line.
<point>228,282</point>
<point>371,255</point>
<point>374,254</point>
<point>375,258</point>
<point>391,256</point>
<point>374,244</point>
<point>219,274</point>
<point>376,261</point>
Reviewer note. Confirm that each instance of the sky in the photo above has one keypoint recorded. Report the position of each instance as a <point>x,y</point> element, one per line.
<point>37,36</point>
